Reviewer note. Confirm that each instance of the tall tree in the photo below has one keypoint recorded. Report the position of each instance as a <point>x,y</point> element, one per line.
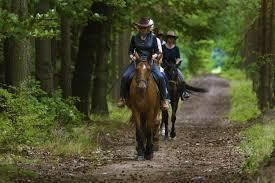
<point>265,90</point>
<point>17,49</point>
<point>66,56</point>
<point>81,82</point>
<point>103,39</point>
<point>43,64</point>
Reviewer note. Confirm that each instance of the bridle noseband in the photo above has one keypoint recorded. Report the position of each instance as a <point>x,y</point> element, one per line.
<point>142,80</point>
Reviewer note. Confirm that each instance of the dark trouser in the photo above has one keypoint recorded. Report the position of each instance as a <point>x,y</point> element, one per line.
<point>166,83</point>
<point>128,74</point>
<point>126,80</point>
<point>160,81</point>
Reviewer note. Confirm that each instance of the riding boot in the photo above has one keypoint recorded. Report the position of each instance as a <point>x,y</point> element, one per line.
<point>165,104</point>
<point>125,83</point>
<point>162,87</point>
<point>184,92</point>
<point>121,103</point>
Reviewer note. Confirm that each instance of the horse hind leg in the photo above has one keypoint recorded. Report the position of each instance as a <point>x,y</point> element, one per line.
<point>156,135</point>
<point>173,119</point>
<point>173,131</point>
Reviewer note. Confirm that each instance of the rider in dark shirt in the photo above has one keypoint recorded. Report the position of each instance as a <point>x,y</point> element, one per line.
<point>171,55</point>
<point>145,44</point>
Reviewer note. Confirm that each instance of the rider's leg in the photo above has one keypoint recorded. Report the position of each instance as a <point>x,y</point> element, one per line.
<point>167,84</point>
<point>162,86</point>
<point>184,91</point>
<point>124,86</point>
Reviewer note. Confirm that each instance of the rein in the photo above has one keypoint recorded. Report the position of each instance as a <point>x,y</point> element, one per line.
<point>172,82</point>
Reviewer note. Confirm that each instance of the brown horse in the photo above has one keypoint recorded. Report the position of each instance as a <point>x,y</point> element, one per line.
<point>144,102</point>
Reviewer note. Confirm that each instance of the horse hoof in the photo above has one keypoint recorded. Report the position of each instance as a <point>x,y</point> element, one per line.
<point>166,138</point>
<point>172,135</point>
<point>156,148</point>
<point>149,156</point>
<point>140,158</point>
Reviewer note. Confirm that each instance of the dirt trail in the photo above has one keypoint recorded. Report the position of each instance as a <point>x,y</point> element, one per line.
<point>204,150</point>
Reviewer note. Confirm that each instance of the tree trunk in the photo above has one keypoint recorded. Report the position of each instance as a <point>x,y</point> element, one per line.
<point>103,38</point>
<point>44,68</point>
<point>272,67</point>
<point>81,83</point>
<point>115,67</point>
<point>66,56</point>
<point>17,51</point>
<point>265,90</point>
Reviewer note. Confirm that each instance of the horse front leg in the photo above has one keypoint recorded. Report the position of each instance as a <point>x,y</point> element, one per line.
<point>149,136</point>
<point>174,118</point>
<point>139,137</point>
<point>165,121</point>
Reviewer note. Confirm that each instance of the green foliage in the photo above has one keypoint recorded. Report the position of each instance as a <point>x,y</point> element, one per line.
<point>243,99</point>
<point>72,141</point>
<point>28,116</point>
<point>115,114</point>
<point>258,145</point>
<point>232,24</point>
<point>87,137</point>
<point>37,25</point>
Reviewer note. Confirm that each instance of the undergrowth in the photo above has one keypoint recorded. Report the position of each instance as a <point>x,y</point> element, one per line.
<point>243,99</point>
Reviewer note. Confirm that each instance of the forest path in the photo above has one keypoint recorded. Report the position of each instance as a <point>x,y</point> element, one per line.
<point>205,149</point>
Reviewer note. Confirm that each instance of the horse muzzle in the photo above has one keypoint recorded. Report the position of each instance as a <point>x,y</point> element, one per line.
<point>142,84</point>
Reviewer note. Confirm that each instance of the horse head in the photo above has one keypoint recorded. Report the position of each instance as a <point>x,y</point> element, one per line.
<point>171,72</point>
<point>143,72</point>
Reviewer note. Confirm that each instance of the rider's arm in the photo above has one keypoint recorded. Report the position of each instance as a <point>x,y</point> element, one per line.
<point>178,59</point>
<point>156,51</point>
<point>132,49</point>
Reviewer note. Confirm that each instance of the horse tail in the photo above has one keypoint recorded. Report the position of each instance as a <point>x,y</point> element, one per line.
<point>195,89</point>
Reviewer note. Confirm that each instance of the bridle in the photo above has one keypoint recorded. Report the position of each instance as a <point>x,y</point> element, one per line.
<point>170,72</point>
<point>141,80</point>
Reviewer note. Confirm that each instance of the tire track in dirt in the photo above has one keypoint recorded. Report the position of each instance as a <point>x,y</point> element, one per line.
<point>205,149</point>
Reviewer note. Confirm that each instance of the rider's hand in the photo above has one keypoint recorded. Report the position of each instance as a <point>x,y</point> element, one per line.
<point>178,61</point>
<point>154,57</point>
<point>133,58</point>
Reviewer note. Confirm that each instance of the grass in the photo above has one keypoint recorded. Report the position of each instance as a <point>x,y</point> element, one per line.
<point>258,145</point>
<point>87,137</point>
<point>8,172</point>
<point>258,140</point>
<point>243,99</point>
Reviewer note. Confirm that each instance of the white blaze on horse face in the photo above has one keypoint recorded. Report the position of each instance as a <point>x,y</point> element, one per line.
<point>144,66</point>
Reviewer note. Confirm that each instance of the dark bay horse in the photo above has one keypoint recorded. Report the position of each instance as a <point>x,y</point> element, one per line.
<point>175,91</point>
<point>144,102</point>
